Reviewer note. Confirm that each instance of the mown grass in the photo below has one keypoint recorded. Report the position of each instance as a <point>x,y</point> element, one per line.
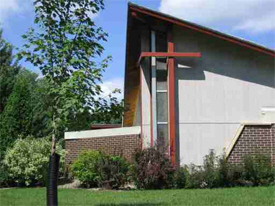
<point>245,196</point>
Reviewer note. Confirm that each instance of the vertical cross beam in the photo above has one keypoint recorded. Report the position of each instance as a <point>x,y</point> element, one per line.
<point>171,80</point>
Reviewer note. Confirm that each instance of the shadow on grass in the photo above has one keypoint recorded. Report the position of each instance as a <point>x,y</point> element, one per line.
<point>131,204</point>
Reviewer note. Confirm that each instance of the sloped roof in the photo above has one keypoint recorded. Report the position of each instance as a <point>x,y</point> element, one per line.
<point>202,29</point>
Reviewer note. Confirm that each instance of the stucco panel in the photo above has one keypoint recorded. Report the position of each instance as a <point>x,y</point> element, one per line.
<point>197,139</point>
<point>226,86</point>
<point>145,90</point>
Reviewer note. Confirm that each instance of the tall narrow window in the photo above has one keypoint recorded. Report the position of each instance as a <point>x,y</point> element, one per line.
<point>159,90</point>
<point>162,101</point>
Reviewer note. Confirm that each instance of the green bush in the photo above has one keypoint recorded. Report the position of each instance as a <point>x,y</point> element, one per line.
<point>258,169</point>
<point>27,161</point>
<point>152,169</point>
<point>217,172</point>
<point>223,172</point>
<point>180,178</point>
<point>85,168</point>
<point>195,177</point>
<point>235,174</point>
<point>95,169</point>
<point>211,170</point>
<point>113,172</point>
<point>205,176</point>
<point>230,175</point>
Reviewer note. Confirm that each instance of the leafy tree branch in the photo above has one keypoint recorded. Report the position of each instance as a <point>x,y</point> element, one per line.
<point>65,48</point>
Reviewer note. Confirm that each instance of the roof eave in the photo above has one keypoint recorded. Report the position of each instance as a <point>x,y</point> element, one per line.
<point>202,29</point>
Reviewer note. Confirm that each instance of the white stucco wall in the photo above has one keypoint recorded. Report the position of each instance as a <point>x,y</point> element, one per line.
<point>146,108</point>
<point>227,86</point>
<point>145,91</point>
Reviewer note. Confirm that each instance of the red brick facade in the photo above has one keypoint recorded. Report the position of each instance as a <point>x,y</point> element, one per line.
<point>254,139</point>
<point>124,145</point>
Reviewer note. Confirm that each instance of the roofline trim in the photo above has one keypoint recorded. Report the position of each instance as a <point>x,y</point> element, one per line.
<point>198,28</point>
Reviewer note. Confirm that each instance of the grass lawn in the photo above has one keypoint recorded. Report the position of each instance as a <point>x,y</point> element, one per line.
<point>231,197</point>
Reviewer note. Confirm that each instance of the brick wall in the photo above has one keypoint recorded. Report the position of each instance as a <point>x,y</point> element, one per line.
<point>254,139</point>
<point>273,144</point>
<point>114,145</point>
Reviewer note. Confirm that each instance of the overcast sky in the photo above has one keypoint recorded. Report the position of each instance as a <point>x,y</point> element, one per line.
<point>252,20</point>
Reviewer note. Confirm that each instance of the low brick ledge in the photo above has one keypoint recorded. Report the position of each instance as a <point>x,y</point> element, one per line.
<point>118,141</point>
<point>103,133</point>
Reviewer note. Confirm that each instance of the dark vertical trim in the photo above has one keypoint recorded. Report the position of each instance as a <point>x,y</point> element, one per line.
<point>171,91</point>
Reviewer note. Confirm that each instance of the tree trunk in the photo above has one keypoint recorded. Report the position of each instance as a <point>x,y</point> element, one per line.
<point>53,139</point>
<point>52,199</point>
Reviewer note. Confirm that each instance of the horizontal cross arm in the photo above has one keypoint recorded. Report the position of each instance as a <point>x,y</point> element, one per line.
<point>168,54</point>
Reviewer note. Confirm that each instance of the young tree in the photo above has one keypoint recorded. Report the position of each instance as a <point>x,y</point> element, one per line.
<point>64,48</point>
<point>9,68</point>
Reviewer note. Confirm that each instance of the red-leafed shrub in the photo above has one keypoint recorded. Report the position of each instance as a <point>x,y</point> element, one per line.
<point>152,169</point>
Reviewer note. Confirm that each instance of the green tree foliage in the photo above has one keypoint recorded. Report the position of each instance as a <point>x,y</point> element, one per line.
<point>64,48</point>
<point>28,112</point>
<point>109,111</point>
<point>41,114</point>
<point>9,68</point>
<point>16,118</point>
